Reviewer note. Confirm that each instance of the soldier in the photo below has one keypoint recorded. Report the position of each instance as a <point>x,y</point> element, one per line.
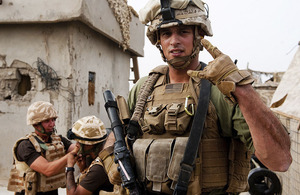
<point>95,158</point>
<point>40,157</point>
<point>165,105</point>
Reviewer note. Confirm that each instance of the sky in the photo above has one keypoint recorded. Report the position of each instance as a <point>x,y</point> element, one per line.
<point>260,34</point>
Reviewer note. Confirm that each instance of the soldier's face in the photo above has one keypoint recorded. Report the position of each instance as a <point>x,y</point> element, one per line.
<point>177,41</point>
<point>49,124</point>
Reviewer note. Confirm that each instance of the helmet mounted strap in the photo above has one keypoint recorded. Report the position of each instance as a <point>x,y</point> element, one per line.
<point>41,126</point>
<point>42,131</point>
<point>187,59</point>
<point>168,13</point>
<point>96,149</point>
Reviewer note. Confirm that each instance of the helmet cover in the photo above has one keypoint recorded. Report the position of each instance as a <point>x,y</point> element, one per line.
<point>189,12</point>
<point>40,111</point>
<point>89,130</point>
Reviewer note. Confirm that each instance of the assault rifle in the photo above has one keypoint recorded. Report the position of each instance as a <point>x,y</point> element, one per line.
<point>122,154</point>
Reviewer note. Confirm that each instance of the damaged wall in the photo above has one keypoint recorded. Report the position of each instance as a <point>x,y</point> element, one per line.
<point>74,54</point>
<point>67,53</point>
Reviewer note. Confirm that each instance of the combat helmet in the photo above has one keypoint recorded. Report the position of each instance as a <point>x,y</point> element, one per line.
<point>40,111</point>
<point>168,13</point>
<point>88,130</point>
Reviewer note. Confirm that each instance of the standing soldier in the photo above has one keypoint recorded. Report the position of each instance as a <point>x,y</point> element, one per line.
<point>233,124</point>
<point>101,173</point>
<point>40,157</point>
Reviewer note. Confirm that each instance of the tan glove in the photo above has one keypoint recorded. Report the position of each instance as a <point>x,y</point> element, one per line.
<point>222,72</point>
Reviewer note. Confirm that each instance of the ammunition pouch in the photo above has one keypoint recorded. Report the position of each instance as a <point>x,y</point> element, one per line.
<point>31,183</point>
<point>158,162</point>
<point>160,174</point>
<point>172,118</point>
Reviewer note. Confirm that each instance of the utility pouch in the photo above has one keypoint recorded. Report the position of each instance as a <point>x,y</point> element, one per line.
<point>154,118</point>
<point>171,118</point>
<point>30,183</point>
<point>123,108</point>
<point>176,119</point>
<point>16,180</point>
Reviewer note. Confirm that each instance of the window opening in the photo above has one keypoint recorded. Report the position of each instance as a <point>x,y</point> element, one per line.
<point>91,88</point>
<point>24,85</point>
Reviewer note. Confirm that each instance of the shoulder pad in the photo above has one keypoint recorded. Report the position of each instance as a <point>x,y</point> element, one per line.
<point>162,69</point>
<point>16,145</point>
<point>106,152</point>
<point>34,142</point>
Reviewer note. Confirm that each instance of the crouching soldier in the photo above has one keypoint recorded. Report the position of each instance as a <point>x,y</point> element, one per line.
<point>99,175</point>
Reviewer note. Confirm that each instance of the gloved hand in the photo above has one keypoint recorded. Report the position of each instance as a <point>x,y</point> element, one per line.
<point>222,72</point>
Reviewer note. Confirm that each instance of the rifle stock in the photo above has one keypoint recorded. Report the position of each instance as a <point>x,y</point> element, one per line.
<point>122,154</point>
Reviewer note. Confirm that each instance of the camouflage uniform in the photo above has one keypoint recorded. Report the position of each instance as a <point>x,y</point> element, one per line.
<point>23,179</point>
<point>90,130</point>
<point>164,111</point>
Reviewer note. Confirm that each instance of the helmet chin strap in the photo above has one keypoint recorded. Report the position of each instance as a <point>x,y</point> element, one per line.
<point>186,60</point>
<point>183,61</point>
<point>94,150</point>
<point>43,130</point>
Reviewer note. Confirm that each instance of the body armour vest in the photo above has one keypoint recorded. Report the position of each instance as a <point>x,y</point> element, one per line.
<point>221,162</point>
<point>22,177</point>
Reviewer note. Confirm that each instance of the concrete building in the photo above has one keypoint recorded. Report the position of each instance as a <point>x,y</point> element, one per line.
<point>65,52</point>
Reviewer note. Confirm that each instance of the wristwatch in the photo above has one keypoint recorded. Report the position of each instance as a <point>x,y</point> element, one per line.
<point>69,169</point>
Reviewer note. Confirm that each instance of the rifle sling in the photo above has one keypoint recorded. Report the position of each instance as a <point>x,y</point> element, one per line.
<point>187,163</point>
